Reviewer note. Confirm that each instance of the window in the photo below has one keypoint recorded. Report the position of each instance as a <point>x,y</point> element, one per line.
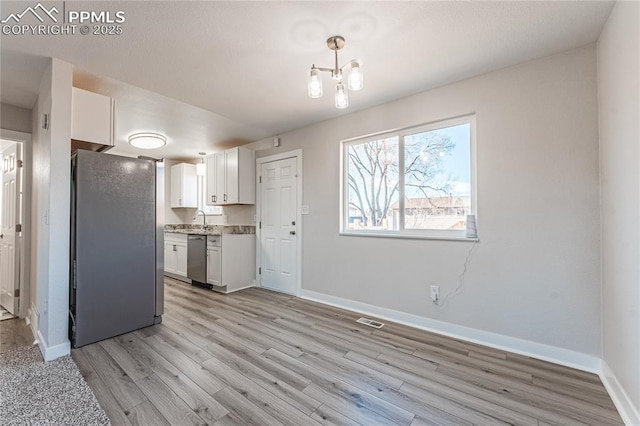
<point>416,182</point>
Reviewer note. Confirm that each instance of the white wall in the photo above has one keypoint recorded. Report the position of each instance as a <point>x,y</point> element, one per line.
<point>619,98</point>
<point>50,210</point>
<point>15,118</point>
<point>535,275</point>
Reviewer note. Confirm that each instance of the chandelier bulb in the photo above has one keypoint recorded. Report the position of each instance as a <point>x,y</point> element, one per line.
<point>356,81</point>
<point>314,84</point>
<point>342,98</point>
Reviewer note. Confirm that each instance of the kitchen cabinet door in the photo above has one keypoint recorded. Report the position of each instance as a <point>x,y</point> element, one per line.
<point>231,175</point>
<point>220,181</point>
<point>92,117</point>
<point>184,186</point>
<point>170,258</point>
<point>211,197</point>
<point>214,263</point>
<point>181,266</point>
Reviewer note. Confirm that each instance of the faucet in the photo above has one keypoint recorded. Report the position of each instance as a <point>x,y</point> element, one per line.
<point>204,217</point>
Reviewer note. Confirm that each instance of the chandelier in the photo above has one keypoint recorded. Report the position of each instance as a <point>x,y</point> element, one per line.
<point>354,80</point>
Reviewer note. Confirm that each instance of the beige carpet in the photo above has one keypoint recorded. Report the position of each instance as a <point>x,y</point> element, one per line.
<point>33,392</point>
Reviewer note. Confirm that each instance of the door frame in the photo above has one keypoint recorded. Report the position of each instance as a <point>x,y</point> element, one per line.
<point>24,139</point>
<point>297,154</point>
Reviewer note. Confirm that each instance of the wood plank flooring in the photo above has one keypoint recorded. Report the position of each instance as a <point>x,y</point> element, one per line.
<point>14,334</point>
<point>261,358</point>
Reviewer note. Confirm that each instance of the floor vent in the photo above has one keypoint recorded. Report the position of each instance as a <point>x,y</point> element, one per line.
<point>370,323</point>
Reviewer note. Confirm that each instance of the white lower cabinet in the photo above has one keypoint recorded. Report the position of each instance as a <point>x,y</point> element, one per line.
<point>181,269</point>
<point>231,261</point>
<point>175,254</point>
<point>170,258</point>
<point>214,266</point>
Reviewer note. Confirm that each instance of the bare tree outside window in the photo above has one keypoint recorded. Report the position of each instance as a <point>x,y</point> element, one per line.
<point>436,196</point>
<point>373,182</point>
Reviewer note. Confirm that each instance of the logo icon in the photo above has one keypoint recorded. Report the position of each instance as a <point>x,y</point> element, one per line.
<point>34,11</point>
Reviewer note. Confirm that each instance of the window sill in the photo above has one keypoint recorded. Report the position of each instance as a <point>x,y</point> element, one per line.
<point>407,236</point>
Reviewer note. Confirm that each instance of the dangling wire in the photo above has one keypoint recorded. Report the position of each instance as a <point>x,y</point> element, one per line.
<point>461,277</point>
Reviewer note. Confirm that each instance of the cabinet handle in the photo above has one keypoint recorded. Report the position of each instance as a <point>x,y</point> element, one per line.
<point>213,198</point>
<point>175,248</point>
<point>225,197</point>
<point>180,201</point>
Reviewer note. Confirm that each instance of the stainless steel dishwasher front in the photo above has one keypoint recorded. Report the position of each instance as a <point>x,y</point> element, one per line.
<point>197,259</point>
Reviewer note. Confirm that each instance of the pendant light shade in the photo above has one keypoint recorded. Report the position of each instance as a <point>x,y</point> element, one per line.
<point>315,84</point>
<point>342,99</point>
<point>201,168</point>
<point>355,77</point>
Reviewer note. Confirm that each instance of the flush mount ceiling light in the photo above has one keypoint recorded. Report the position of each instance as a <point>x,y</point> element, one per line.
<point>201,167</point>
<point>147,140</point>
<point>354,80</point>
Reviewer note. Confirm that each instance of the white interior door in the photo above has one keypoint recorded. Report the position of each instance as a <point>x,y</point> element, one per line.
<point>278,204</point>
<point>9,254</point>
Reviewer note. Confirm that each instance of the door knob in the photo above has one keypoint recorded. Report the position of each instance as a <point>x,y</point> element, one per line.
<point>292,232</point>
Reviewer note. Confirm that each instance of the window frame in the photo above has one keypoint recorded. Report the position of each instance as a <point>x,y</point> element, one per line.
<point>434,234</point>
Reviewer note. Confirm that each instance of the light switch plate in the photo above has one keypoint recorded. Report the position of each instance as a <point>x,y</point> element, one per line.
<point>305,209</point>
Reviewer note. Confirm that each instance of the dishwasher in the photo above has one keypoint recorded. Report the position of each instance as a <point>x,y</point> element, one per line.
<point>197,260</point>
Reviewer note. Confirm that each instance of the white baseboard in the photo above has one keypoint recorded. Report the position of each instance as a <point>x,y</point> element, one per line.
<point>622,401</point>
<point>241,288</point>
<point>540,351</point>
<point>49,353</point>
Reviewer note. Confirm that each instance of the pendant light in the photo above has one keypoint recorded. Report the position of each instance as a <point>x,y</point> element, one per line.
<point>201,167</point>
<point>355,80</point>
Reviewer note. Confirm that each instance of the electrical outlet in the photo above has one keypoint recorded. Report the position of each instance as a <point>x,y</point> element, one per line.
<point>435,293</point>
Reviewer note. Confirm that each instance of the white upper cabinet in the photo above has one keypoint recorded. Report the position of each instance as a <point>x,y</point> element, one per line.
<point>210,187</point>
<point>184,186</point>
<point>220,181</point>
<point>92,117</point>
<point>231,177</point>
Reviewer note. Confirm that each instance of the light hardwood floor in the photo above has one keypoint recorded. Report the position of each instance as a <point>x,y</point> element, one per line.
<point>261,358</point>
<point>14,334</point>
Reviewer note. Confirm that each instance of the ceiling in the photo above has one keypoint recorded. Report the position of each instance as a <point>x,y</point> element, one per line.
<point>215,74</point>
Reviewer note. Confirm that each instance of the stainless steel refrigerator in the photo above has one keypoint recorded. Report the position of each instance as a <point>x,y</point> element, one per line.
<point>116,245</point>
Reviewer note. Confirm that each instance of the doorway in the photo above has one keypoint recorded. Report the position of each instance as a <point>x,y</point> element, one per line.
<point>11,195</point>
<point>20,283</point>
<point>279,239</point>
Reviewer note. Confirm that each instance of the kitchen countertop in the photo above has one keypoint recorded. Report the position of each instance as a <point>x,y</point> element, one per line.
<point>210,229</point>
